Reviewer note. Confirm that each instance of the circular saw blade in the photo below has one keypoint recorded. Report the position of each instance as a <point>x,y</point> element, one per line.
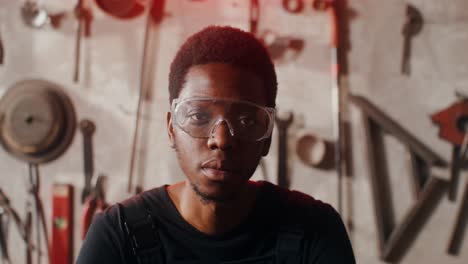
<point>37,121</point>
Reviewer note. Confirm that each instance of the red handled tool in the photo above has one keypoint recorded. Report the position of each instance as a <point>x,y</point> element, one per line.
<point>62,224</point>
<point>94,204</point>
<point>453,124</point>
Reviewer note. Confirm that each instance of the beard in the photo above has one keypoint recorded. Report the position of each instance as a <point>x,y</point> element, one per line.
<point>223,198</point>
<point>210,199</point>
<point>204,197</point>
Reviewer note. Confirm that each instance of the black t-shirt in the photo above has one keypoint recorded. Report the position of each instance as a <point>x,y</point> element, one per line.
<point>325,240</point>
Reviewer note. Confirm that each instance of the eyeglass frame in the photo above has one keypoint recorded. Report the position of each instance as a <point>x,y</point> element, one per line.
<point>271,111</point>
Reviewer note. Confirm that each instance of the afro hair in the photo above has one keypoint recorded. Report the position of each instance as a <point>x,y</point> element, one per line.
<point>224,44</point>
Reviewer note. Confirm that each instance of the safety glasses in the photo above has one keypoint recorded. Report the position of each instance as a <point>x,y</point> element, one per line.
<point>200,116</point>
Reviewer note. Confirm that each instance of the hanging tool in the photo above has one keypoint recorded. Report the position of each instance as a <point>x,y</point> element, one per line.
<point>254,16</point>
<point>453,124</point>
<point>293,6</point>
<point>37,121</point>
<point>155,14</point>
<point>395,238</point>
<point>278,46</point>
<point>413,26</point>
<point>4,221</point>
<point>62,224</point>
<point>339,44</point>
<point>315,152</point>
<point>12,214</point>
<point>41,224</point>
<point>2,50</point>
<point>87,128</point>
<point>79,33</point>
<point>34,15</point>
<point>322,5</point>
<point>283,125</point>
<point>84,16</point>
<point>123,9</point>
<point>28,233</point>
<point>452,121</point>
<point>37,125</point>
<point>459,230</point>
<point>336,96</point>
<point>95,203</point>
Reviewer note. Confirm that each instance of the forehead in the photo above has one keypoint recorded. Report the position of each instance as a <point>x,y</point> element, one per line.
<point>220,80</point>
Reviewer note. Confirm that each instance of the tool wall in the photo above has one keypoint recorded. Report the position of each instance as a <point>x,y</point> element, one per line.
<point>399,66</point>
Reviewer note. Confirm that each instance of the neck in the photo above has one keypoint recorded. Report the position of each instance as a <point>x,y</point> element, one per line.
<point>212,218</point>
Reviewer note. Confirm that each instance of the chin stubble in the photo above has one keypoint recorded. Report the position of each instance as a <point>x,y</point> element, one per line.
<point>207,199</point>
<point>204,198</point>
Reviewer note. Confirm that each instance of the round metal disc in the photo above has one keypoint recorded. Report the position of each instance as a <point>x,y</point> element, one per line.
<point>37,121</point>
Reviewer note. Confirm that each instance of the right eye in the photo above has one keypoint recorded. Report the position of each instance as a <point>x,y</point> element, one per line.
<point>198,117</point>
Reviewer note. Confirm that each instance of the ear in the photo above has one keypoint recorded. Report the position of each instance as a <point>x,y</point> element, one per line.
<point>266,146</point>
<point>170,128</point>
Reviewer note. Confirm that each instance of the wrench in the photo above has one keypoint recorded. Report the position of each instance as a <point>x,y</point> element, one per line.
<point>87,128</point>
<point>283,125</point>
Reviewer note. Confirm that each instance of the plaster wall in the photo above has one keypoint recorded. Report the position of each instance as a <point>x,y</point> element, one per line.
<point>108,92</point>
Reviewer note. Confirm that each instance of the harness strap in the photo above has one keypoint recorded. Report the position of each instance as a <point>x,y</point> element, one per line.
<point>146,248</point>
<point>289,246</point>
<point>141,231</point>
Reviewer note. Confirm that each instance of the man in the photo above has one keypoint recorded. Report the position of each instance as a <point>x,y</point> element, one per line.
<point>222,87</point>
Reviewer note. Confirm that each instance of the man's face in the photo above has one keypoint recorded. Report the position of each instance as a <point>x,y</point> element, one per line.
<point>219,167</point>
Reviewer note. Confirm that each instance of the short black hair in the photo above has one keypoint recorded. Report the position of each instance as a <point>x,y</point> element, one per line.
<point>224,44</point>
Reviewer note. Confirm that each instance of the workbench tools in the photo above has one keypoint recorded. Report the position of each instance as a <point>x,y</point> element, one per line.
<point>395,239</point>
<point>453,125</point>
<point>37,125</point>
<point>154,17</point>
<point>283,125</point>
<point>7,214</point>
<point>87,129</point>
<point>62,224</point>
<point>37,121</point>
<point>412,27</point>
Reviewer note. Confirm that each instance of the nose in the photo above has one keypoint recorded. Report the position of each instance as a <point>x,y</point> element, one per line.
<point>221,136</point>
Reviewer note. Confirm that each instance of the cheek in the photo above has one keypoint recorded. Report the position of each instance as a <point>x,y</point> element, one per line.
<point>250,157</point>
<point>187,150</point>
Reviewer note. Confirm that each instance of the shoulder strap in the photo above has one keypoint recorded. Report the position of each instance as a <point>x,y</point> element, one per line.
<point>289,246</point>
<point>141,231</point>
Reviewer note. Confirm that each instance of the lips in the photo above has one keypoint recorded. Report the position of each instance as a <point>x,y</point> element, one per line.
<point>216,175</point>
<point>218,170</point>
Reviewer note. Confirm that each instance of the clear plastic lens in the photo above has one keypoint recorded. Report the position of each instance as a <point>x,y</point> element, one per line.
<point>198,117</point>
